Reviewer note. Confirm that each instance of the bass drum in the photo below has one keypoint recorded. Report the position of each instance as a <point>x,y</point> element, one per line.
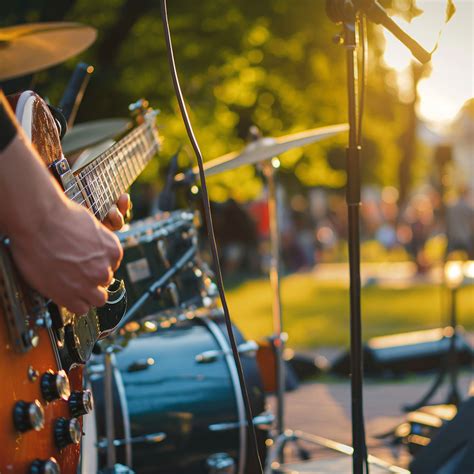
<point>185,409</point>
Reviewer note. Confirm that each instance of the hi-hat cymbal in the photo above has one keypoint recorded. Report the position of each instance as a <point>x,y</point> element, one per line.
<point>35,46</point>
<point>266,148</point>
<point>87,134</point>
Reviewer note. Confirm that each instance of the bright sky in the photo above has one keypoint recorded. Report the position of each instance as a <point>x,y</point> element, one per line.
<point>451,81</point>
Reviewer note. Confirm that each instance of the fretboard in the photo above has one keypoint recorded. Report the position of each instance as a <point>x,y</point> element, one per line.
<point>112,172</point>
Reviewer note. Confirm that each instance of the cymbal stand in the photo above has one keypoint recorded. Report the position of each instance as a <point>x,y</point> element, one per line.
<point>278,337</point>
<point>283,436</point>
<point>109,406</point>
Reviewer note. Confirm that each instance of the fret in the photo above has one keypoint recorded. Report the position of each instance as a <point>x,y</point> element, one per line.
<point>111,179</point>
<point>135,169</point>
<point>109,198</point>
<point>124,170</point>
<point>112,173</point>
<point>94,196</point>
<point>118,173</point>
<point>144,147</point>
<point>128,165</point>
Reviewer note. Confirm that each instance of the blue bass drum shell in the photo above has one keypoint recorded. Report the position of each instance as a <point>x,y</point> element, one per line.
<point>168,390</point>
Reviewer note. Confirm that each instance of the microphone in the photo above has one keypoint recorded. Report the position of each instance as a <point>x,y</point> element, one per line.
<point>376,13</point>
<point>345,11</point>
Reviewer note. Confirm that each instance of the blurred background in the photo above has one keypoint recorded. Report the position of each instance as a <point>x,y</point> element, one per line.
<point>274,64</point>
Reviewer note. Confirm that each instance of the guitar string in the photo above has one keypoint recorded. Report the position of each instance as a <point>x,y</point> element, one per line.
<point>97,164</point>
<point>99,160</point>
<point>119,153</point>
<point>120,144</point>
<point>103,204</point>
<point>131,174</point>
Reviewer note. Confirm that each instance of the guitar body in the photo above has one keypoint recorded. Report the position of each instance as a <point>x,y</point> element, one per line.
<point>21,372</point>
<point>18,450</point>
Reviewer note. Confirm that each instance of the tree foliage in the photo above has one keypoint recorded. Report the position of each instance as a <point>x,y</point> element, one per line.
<point>270,63</point>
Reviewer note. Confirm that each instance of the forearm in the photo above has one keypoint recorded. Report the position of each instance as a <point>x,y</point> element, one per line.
<point>27,190</point>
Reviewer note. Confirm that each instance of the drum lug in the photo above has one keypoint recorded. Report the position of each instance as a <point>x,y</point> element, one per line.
<point>141,364</point>
<point>220,463</point>
<point>263,420</point>
<point>248,349</point>
<point>149,438</point>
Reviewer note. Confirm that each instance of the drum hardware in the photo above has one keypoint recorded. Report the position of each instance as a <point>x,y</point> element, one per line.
<point>152,246</point>
<point>117,469</point>
<point>151,438</point>
<point>141,364</point>
<point>274,467</point>
<point>172,292</point>
<point>162,250</point>
<point>262,150</point>
<point>193,404</point>
<point>248,348</point>
<point>157,285</point>
<point>220,463</point>
<point>264,419</point>
<point>109,407</point>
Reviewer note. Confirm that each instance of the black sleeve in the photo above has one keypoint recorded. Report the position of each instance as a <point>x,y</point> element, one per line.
<point>8,126</point>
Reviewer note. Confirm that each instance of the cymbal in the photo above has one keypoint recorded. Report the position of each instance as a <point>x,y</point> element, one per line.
<point>32,47</point>
<point>87,134</point>
<point>266,148</point>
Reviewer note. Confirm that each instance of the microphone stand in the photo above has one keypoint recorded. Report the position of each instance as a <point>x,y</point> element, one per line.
<point>348,13</point>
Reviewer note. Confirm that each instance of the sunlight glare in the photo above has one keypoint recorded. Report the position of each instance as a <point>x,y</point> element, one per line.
<point>450,83</point>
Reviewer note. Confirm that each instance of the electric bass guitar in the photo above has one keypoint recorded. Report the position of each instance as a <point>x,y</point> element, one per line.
<point>43,347</point>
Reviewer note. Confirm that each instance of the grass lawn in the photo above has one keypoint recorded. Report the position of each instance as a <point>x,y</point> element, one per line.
<point>317,313</point>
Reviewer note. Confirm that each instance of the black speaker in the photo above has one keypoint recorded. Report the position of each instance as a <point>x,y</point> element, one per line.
<point>417,351</point>
<point>452,449</point>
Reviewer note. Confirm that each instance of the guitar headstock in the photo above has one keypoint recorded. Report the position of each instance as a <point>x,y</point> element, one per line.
<point>141,111</point>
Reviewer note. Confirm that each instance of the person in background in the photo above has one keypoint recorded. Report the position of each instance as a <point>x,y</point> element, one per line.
<point>460,225</point>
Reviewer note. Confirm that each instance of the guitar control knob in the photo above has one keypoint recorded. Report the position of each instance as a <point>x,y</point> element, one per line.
<point>28,416</point>
<point>55,385</point>
<point>67,432</point>
<point>50,466</point>
<point>81,403</point>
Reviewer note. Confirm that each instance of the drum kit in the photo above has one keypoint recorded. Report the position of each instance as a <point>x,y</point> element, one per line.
<point>167,395</point>
<point>174,388</point>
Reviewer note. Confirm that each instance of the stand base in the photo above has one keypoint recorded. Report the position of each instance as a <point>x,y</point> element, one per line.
<point>336,465</point>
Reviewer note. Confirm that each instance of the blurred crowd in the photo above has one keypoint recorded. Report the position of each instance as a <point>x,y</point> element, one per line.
<point>313,229</point>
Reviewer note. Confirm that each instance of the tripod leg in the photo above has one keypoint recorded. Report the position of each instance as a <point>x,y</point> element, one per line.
<point>426,398</point>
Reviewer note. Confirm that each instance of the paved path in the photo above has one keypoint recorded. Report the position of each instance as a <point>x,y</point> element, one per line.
<point>324,409</point>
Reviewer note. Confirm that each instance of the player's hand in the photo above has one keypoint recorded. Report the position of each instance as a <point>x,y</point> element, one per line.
<point>70,258</point>
<point>115,218</point>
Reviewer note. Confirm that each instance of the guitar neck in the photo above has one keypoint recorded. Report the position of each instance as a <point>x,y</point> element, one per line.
<point>112,172</point>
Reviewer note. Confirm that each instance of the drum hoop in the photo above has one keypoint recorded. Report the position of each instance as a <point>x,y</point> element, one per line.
<point>124,408</point>
<point>228,356</point>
